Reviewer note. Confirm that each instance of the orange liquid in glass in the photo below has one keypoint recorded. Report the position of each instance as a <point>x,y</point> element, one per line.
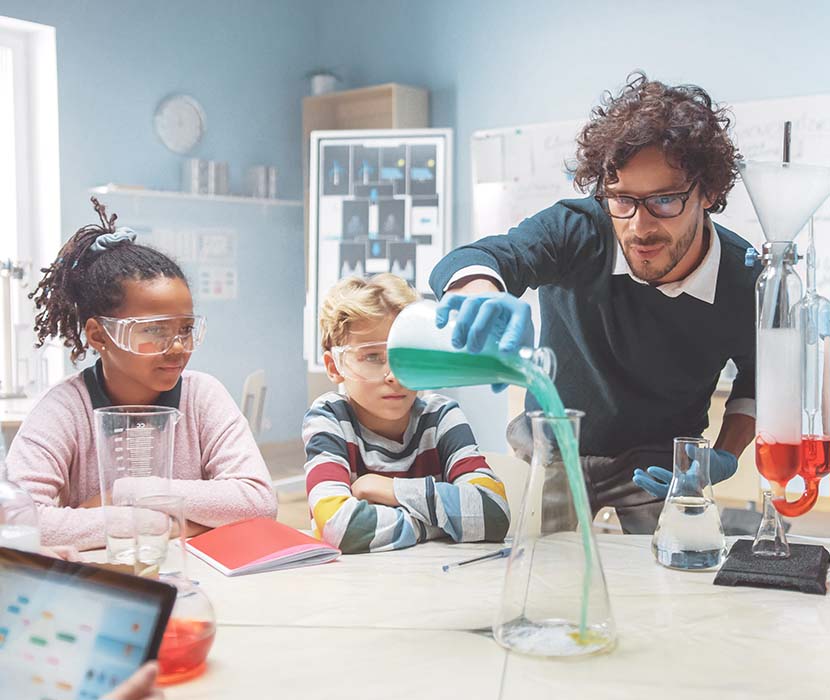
<point>184,649</point>
<point>777,461</point>
<point>815,456</point>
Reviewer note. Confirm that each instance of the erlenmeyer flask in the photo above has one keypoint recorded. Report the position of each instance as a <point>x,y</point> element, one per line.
<point>554,601</point>
<point>689,533</point>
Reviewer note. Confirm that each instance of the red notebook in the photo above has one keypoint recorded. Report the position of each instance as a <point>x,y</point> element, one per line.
<point>259,544</point>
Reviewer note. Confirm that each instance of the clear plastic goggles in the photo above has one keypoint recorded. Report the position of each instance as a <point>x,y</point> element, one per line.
<point>154,335</point>
<point>368,362</point>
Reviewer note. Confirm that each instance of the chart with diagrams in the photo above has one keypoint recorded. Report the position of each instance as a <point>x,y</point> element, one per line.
<point>379,202</point>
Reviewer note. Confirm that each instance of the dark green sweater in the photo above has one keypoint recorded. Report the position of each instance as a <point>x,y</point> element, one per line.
<point>642,365</point>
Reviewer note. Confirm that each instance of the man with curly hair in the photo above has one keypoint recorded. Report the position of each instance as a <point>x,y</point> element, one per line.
<point>643,298</point>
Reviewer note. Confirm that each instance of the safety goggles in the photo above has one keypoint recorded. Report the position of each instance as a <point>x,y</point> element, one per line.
<point>154,335</point>
<point>368,362</point>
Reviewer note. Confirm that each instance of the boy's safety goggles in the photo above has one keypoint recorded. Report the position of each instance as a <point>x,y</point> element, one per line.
<point>368,362</point>
<point>154,335</point>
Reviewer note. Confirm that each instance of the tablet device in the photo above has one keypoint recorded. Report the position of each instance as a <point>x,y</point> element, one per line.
<point>73,631</point>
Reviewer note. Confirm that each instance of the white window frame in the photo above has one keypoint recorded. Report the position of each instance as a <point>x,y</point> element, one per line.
<point>37,173</point>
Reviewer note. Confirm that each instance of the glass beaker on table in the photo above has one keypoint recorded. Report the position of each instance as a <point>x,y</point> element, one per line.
<point>135,459</point>
<point>159,533</point>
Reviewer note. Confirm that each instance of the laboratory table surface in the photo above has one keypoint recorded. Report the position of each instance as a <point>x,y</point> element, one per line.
<point>395,626</point>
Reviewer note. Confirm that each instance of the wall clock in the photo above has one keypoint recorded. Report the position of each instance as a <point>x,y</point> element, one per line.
<point>180,123</point>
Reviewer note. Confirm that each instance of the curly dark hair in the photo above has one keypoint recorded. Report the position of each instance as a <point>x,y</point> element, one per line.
<point>80,284</point>
<point>681,120</point>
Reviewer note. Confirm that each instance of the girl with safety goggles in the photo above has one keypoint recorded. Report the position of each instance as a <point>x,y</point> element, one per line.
<point>132,305</point>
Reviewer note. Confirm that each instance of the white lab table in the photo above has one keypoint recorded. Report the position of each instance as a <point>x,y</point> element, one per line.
<point>393,625</point>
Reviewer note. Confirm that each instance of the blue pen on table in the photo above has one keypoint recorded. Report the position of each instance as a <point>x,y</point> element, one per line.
<point>499,554</point>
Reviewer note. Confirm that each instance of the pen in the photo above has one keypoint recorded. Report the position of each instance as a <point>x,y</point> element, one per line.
<point>504,552</point>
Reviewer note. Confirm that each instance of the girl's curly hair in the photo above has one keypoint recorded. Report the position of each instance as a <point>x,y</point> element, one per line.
<point>81,284</point>
<point>681,120</point>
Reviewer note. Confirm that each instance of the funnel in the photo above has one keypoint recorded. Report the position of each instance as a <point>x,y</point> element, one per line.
<point>784,195</point>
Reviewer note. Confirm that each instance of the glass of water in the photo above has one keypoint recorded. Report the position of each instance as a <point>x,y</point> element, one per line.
<point>158,522</point>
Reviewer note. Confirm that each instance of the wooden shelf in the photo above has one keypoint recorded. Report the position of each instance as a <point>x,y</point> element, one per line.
<point>172,194</point>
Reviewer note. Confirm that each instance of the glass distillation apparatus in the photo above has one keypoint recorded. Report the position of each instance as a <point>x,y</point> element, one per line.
<point>792,437</point>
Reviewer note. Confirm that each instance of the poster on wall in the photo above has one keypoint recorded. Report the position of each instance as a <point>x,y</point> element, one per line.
<point>379,201</point>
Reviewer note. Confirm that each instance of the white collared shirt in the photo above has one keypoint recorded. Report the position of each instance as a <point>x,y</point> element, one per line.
<point>701,283</point>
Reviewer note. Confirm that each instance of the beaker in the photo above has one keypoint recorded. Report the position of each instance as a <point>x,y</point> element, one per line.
<point>689,533</point>
<point>554,601</point>
<point>159,531</point>
<point>159,528</point>
<point>422,356</point>
<point>135,459</point>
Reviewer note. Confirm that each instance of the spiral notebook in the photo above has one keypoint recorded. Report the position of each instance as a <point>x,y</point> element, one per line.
<point>259,544</point>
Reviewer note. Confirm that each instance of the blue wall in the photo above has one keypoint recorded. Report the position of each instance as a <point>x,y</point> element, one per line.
<point>244,61</point>
<point>490,63</point>
<point>487,63</point>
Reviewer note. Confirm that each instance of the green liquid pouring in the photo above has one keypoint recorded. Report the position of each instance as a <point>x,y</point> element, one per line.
<point>420,369</point>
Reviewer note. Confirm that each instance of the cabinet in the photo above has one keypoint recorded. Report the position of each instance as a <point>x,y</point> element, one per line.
<point>387,106</point>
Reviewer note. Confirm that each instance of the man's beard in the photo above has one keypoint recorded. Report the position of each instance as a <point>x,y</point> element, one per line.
<point>646,270</point>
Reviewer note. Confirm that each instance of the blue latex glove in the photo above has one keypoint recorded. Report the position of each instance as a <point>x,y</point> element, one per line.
<point>656,480</point>
<point>497,317</point>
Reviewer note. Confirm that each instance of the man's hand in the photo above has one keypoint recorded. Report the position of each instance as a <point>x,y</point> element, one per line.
<point>497,316</point>
<point>376,489</point>
<point>139,686</point>
<point>656,480</point>
<point>722,465</point>
<point>482,317</point>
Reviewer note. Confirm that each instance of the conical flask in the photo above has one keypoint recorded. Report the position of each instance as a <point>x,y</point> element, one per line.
<point>689,534</point>
<point>554,601</point>
<point>771,539</point>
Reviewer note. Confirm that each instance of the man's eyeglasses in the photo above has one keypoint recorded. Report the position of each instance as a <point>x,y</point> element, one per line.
<point>368,362</point>
<point>154,335</point>
<point>660,206</point>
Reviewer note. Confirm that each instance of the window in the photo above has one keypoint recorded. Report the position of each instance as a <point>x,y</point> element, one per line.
<point>29,195</point>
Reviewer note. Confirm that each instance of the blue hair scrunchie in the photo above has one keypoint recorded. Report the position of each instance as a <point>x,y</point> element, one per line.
<point>109,240</point>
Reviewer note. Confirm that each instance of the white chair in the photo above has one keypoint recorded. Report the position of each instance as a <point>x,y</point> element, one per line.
<point>253,400</point>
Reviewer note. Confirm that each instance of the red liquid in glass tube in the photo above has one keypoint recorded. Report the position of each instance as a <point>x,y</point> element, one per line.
<point>184,649</point>
<point>815,457</point>
<point>815,464</point>
<point>777,461</point>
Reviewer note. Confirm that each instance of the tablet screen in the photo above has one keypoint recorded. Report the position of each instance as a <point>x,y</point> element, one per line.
<point>71,631</point>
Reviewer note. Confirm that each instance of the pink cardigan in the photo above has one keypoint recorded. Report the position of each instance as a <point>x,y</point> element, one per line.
<point>217,466</point>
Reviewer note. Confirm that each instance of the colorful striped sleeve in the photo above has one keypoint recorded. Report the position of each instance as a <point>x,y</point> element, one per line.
<point>470,504</point>
<point>338,518</point>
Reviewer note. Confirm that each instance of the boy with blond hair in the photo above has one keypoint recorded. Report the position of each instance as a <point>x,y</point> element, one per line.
<point>385,468</point>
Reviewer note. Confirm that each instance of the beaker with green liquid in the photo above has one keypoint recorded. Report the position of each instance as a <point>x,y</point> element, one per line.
<point>554,600</point>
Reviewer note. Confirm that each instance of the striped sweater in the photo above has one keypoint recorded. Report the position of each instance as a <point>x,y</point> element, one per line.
<point>443,484</point>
